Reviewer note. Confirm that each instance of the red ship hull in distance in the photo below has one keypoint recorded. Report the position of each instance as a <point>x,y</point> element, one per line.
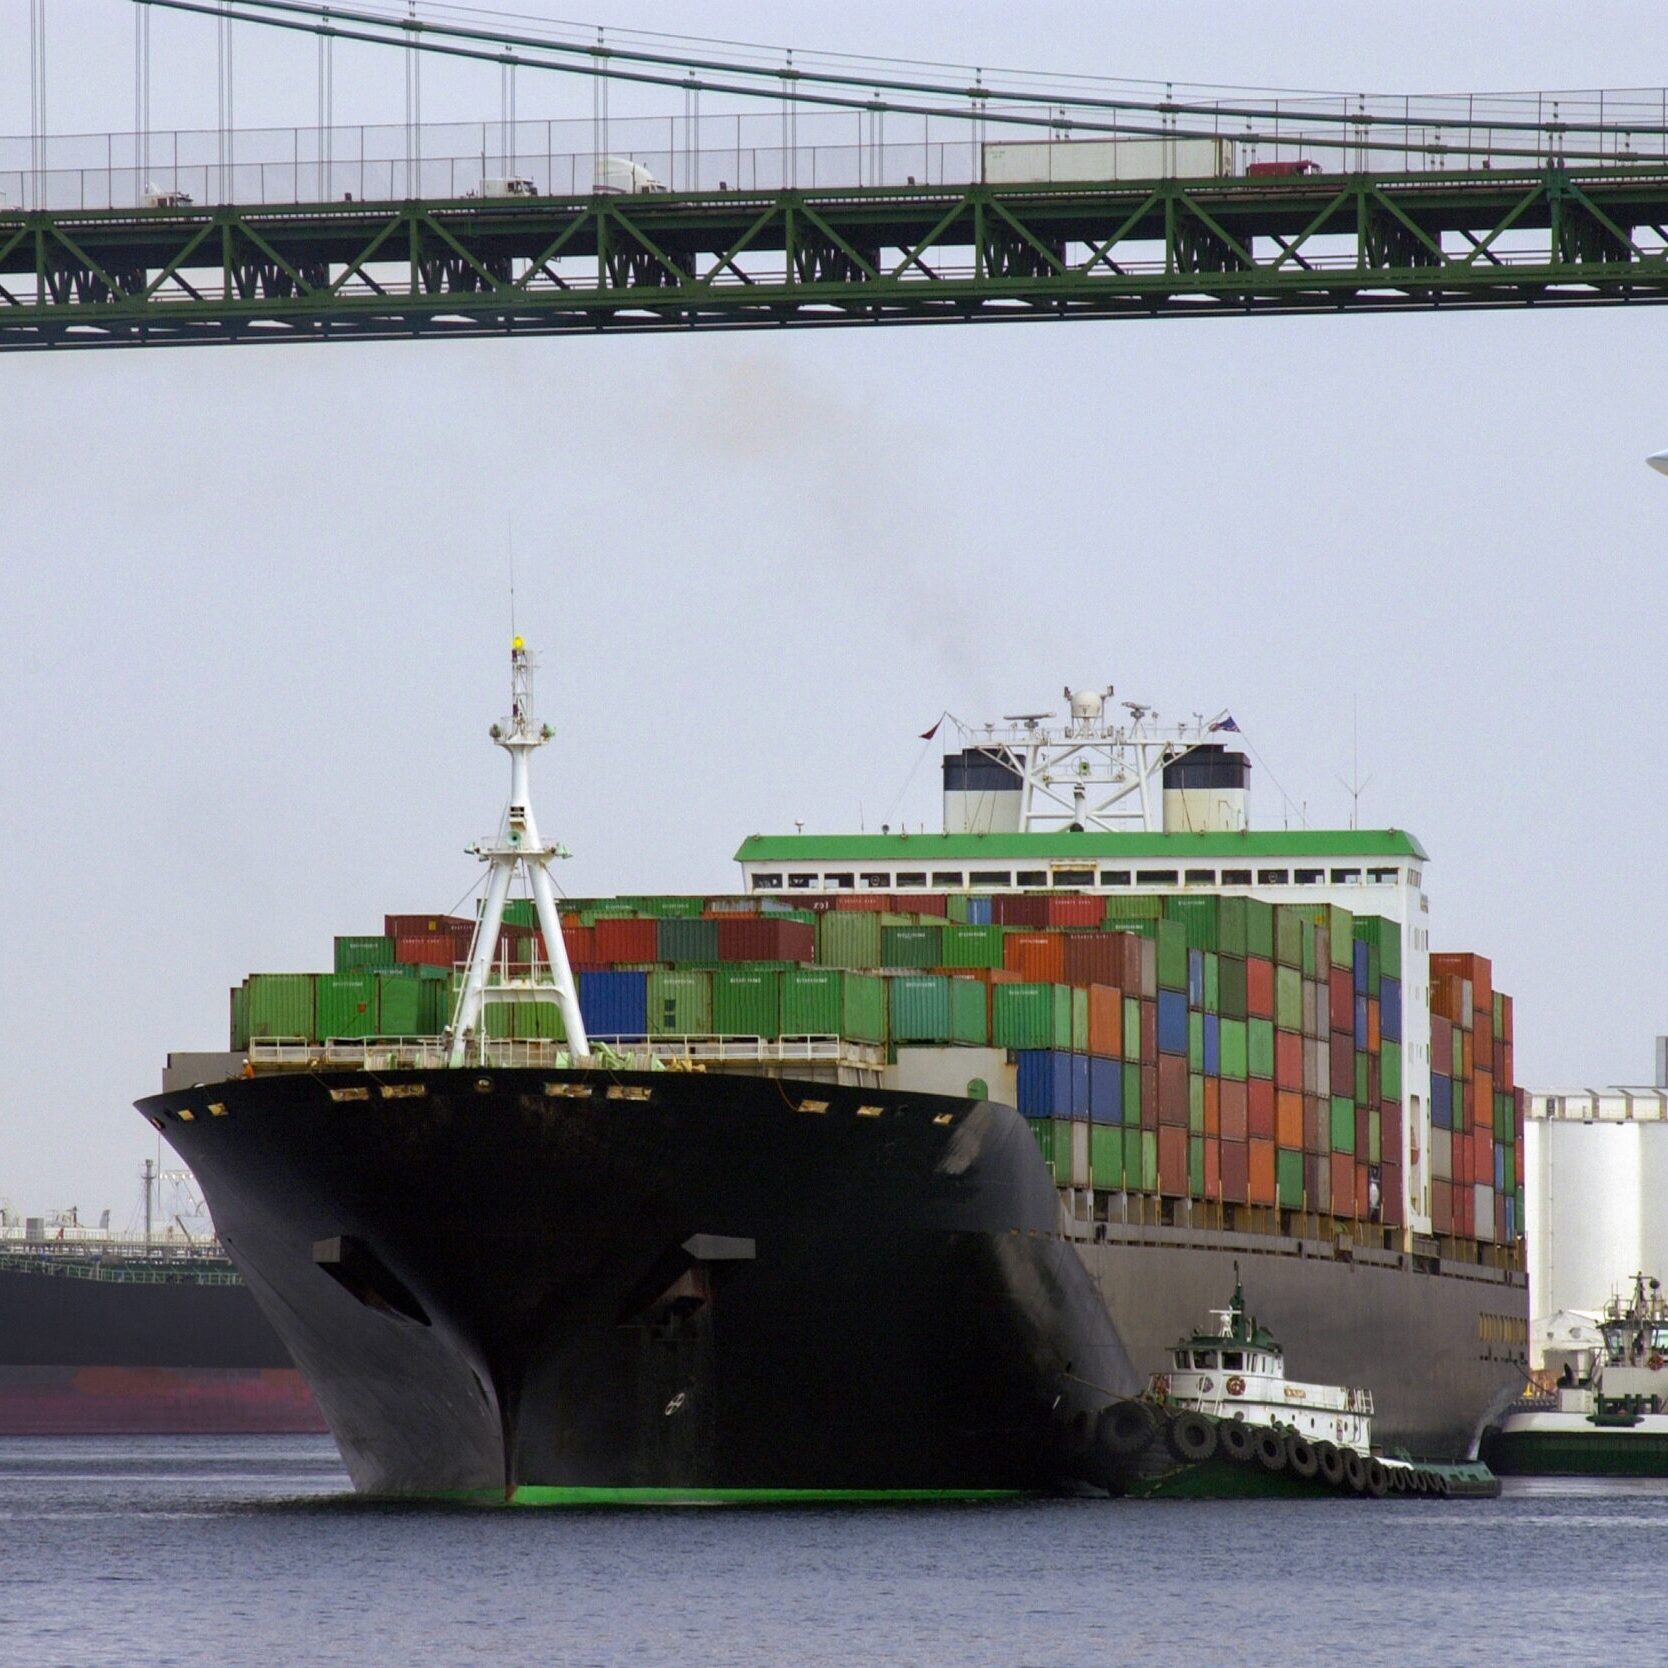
<point>156,1401</point>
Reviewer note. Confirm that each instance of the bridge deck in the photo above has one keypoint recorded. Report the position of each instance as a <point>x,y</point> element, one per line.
<point>713,260</point>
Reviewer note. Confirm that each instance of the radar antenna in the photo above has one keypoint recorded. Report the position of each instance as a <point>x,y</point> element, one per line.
<point>518,846</point>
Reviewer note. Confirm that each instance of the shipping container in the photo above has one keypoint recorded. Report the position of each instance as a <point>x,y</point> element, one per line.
<point>353,954</point>
<point>935,1008</point>
<point>1030,1015</point>
<point>746,1000</point>
<point>829,1001</point>
<point>346,1004</point>
<point>1106,1091</point>
<point>281,1005</point>
<point>679,939</point>
<point>614,1004</point>
<point>970,946</point>
<point>849,938</point>
<point>680,1000</point>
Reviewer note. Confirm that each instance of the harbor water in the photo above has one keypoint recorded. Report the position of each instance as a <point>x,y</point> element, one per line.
<point>198,1551</point>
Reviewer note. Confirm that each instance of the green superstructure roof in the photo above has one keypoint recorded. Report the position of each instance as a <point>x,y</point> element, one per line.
<point>1064,845</point>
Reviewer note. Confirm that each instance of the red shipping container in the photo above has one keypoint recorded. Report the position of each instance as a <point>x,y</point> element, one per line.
<point>1506,1017</point>
<point>1213,1109</point>
<point>757,938</point>
<point>1341,1000</point>
<point>1390,1195</point>
<point>1074,909</point>
<point>1477,969</point>
<point>1500,1218</point>
<point>1390,1131</point>
<point>1259,1109</point>
<point>1517,1166</point>
<point>1482,1036</point>
<point>1172,1161</point>
<point>1442,1044</point>
<point>1259,987</point>
<point>1149,1030</point>
<point>581,944</point>
<point>425,926</point>
<point>635,941</point>
<point>1149,1096</point>
<point>1023,910</point>
<point>1465,1212</point>
<point>1172,1090</point>
<point>1343,1184</point>
<point>1234,1121</point>
<point>1131,979</point>
<point>1235,1167</point>
<point>1288,1119</point>
<point>1363,1131</point>
<point>1288,1060</point>
<point>1106,1021</point>
<point>1343,1063</point>
<point>875,903</point>
<point>1363,1190</point>
<point>430,950</point>
<point>1093,958</point>
<point>1260,1177</point>
<point>1213,1168</point>
<point>920,903</point>
<point>1039,957</point>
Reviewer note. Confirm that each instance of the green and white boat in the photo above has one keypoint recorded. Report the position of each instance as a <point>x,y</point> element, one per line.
<point>1607,1415</point>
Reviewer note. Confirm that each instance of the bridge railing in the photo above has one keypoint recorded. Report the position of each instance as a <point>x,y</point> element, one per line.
<point>392,162</point>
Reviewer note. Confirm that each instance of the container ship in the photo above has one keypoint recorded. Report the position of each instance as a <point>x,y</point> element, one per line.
<point>105,1335</point>
<point>890,1171</point>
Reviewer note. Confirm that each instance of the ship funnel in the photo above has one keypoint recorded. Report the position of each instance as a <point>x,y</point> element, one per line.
<point>981,793</point>
<point>1206,792</point>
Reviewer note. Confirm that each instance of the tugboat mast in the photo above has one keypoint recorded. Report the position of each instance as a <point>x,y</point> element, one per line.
<point>517,846</point>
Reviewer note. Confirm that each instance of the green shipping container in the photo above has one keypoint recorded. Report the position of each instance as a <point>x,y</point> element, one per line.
<point>849,938</point>
<point>240,1019</point>
<point>355,953</point>
<point>346,1004</point>
<point>1132,1097</point>
<point>281,1005</point>
<point>1149,1161</point>
<point>1213,983</point>
<point>1132,1159</point>
<point>1259,928</point>
<point>1053,1137</point>
<point>1196,1167</point>
<point>399,1005</point>
<point>435,1004</point>
<point>680,1001</point>
<point>1195,1103</point>
<point>1375,1135</point>
<point>1288,1179</point>
<point>1230,925</point>
<point>1340,926</point>
<point>1133,906</point>
<point>1106,1157</point>
<point>1288,999</point>
<point>1235,1049</point>
<point>1343,1124</point>
<point>1196,1042</point>
<point>1031,1016</point>
<point>934,1008</point>
<point>1310,950</point>
<point>1172,955</point>
<point>1132,1028</point>
<point>1231,987</point>
<point>679,940</point>
<point>1390,1070</point>
<point>830,1002</point>
<point>1259,1047</point>
<point>1198,918</point>
<point>1362,1082</point>
<point>1288,935</point>
<point>1079,1020</point>
<point>971,946</point>
<point>518,912</point>
<point>746,1001</point>
<point>912,947</point>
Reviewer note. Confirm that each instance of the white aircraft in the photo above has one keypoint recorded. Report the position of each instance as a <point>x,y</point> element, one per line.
<point>1659,462</point>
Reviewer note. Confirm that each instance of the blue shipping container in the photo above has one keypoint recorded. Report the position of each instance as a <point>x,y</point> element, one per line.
<point>1044,1083</point>
<point>1080,1085</point>
<point>978,912</point>
<point>1390,1009</point>
<point>1106,1090</point>
<point>1499,1169</point>
<point>1442,1101</point>
<point>1360,968</point>
<point>615,1004</point>
<point>1361,1022</point>
<point>1172,1022</point>
<point>1196,978</point>
<point>1213,1046</point>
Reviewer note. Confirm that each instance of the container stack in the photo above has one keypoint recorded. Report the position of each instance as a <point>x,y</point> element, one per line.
<point>1477,1110</point>
<point>1199,1047</point>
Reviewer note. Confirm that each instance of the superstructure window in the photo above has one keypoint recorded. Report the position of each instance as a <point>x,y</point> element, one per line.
<point>991,877</point>
<point>801,883</point>
<point>767,883</point>
<point>1415,877</point>
<point>838,883</point>
<point>1310,877</point>
<point>1114,877</point>
<point>876,882</point>
<point>1273,877</point>
<point>1074,877</point>
<point>1204,1358</point>
<point>1233,1360</point>
<point>1155,877</point>
<point>1346,877</point>
<point>946,877</point>
<point>1033,877</point>
<point>1382,877</point>
<point>1200,877</point>
<point>1181,1359</point>
<point>1236,877</point>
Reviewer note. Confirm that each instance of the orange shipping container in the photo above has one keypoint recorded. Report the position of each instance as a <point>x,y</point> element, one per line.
<point>1260,1176</point>
<point>1288,1060</point>
<point>1372,1025</point>
<point>1172,1161</point>
<point>1232,1096</point>
<point>1343,1185</point>
<point>1106,1021</point>
<point>1039,957</point>
<point>1288,1119</point>
<point>1259,987</point>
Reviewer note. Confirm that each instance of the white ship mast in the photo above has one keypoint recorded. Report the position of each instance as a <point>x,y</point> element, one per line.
<point>1093,772</point>
<point>518,846</point>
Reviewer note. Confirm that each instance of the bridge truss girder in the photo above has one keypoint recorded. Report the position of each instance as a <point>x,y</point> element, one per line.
<point>348,271</point>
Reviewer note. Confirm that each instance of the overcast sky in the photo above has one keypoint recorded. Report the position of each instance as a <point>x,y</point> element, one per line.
<point>253,612</point>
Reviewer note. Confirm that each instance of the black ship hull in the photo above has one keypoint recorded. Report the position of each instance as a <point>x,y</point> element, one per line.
<point>535,1280</point>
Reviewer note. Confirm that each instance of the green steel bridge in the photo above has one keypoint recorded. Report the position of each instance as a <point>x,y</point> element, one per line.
<point>876,255</point>
<point>1261,204</point>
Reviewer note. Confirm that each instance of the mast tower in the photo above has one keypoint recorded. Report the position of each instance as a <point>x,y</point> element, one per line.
<point>518,846</point>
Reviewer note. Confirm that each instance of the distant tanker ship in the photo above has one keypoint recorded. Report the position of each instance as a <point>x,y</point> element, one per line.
<point>893,1172</point>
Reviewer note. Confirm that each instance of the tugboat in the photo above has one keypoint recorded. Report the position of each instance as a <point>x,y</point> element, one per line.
<point>1607,1413</point>
<point>1226,1421</point>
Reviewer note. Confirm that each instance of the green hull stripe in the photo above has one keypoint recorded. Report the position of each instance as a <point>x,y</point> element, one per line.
<point>533,1494</point>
